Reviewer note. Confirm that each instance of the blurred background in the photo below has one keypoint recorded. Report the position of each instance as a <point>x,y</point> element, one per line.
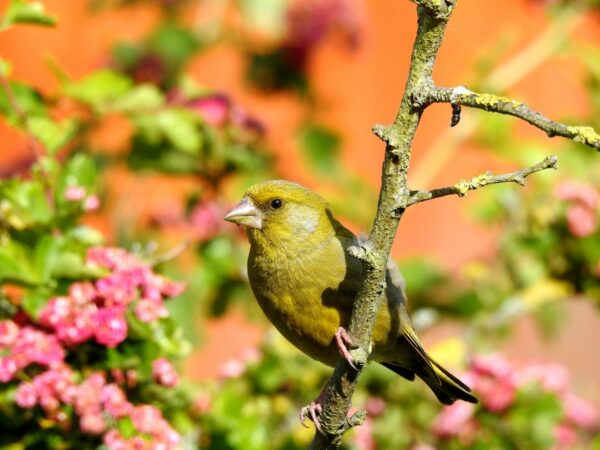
<point>177,106</point>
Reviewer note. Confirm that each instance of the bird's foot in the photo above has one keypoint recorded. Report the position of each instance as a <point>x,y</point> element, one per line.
<point>312,411</point>
<point>343,342</point>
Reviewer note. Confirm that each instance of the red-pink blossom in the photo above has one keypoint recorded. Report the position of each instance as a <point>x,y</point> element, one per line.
<point>164,373</point>
<point>115,401</point>
<point>150,310</point>
<point>375,406</point>
<point>565,437</point>
<point>206,220</point>
<point>8,367</point>
<point>75,193</point>
<point>110,326</point>
<point>552,377</point>
<point>26,395</point>
<point>92,423</point>
<point>91,203</point>
<point>363,437</point>
<point>578,192</point>
<point>214,109</point>
<point>453,420</point>
<point>8,333</point>
<point>581,220</point>
<point>581,412</point>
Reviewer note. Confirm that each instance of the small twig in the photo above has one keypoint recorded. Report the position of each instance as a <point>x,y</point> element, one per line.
<point>170,254</point>
<point>502,105</point>
<point>461,188</point>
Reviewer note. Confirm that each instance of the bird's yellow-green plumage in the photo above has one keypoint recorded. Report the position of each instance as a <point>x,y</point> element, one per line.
<point>305,282</point>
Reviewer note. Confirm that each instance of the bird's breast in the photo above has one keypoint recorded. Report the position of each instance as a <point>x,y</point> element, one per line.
<point>296,295</point>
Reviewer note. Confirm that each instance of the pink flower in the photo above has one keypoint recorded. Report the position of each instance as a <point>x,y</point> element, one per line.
<point>26,395</point>
<point>232,368</point>
<point>214,109</point>
<point>110,326</point>
<point>92,423</point>
<point>146,418</point>
<point>74,193</point>
<point>493,365</point>
<point>150,310</point>
<point>205,220</point>
<point>91,203</point>
<point>164,373</point>
<point>552,377</point>
<point>453,419</point>
<point>581,412</point>
<point>87,400</point>
<point>578,192</point>
<point>202,403</point>
<point>114,400</point>
<point>309,21</point>
<point>375,406</point>
<point>34,346</point>
<point>565,437</point>
<point>8,332</point>
<point>581,220</point>
<point>72,318</point>
<point>8,367</point>
<point>363,437</point>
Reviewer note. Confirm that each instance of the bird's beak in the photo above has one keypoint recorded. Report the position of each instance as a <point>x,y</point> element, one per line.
<point>245,214</point>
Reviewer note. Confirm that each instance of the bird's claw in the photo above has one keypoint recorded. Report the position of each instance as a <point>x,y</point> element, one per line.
<point>343,342</point>
<point>311,411</point>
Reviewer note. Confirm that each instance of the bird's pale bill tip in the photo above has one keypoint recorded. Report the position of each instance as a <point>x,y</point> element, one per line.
<point>245,214</point>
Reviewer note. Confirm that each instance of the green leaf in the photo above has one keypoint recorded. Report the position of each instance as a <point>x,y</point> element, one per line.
<point>14,264</point>
<point>180,127</point>
<point>266,15</point>
<point>99,88</point>
<point>45,255</point>
<point>34,301</point>
<point>320,146</point>
<point>5,68</point>
<point>52,135</point>
<point>174,45</point>
<point>141,98</point>
<point>29,100</point>
<point>80,170</point>
<point>20,11</point>
<point>29,202</point>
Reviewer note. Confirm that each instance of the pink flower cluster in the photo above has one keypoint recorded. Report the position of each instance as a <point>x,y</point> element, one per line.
<point>309,21</point>
<point>497,383</point>
<point>22,346</point>
<point>582,215</point>
<point>92,310</point>
<point>97,310</point>
<point>99,406</point>
<point>79,194</point>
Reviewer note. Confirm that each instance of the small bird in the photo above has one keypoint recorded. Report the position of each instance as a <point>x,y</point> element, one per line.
<point>305,282</point>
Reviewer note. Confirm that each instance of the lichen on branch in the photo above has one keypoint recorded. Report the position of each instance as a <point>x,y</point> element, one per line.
<point>503,105</point>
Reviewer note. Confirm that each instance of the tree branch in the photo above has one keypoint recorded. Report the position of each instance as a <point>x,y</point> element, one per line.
<point>420,92</point>
<point>502,105</point>
<point>462,187</point>
<point>375,251</point>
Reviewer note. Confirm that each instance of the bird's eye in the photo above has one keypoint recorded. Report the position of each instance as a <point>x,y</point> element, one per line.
<point>276,203</point>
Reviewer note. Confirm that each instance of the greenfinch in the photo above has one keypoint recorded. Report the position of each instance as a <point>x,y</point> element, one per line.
<point>305,282</point>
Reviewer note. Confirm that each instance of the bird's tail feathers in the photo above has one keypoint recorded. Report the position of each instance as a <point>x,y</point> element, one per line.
<point>446,387</point>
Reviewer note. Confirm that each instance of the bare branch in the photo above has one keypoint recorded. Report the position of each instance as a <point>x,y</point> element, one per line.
<point>461,188</point>
<point>502,105</point>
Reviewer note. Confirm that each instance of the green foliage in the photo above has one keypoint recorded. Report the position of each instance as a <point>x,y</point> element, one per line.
<point>24,12</point>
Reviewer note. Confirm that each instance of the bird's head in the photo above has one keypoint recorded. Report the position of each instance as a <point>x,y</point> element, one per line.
<point>279,212</point>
